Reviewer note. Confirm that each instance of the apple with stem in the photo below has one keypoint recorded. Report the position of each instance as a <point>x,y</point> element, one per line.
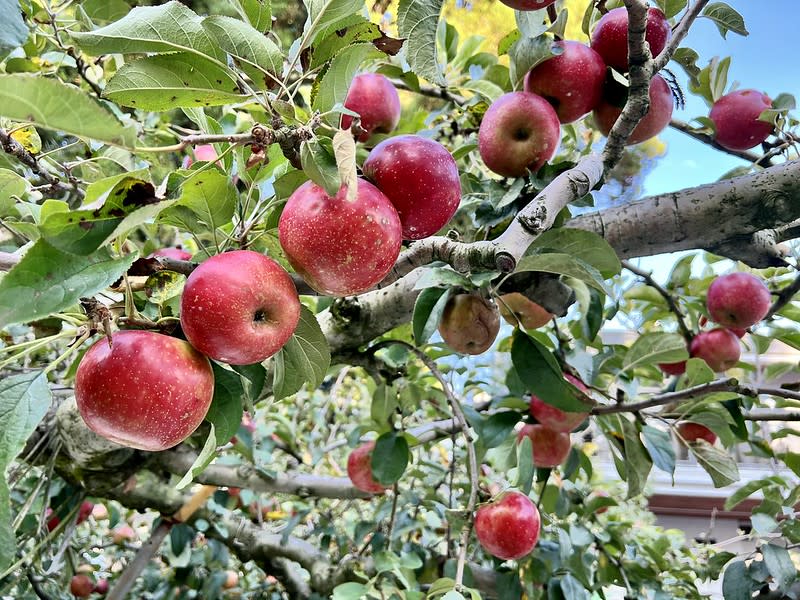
<point>550,448</point>
<point>239,307</point>
<point>143,389</point>
<point>719,348</point>
<point>655,120</point>
<point>571,81</point>
<point>736,119</point>
<point>518,309</point>
<point>556,419</point>
<point>519,133</point>
<point>691,432</point>
<point>469,323</point>
<point>508,527</point>
<point>738,300</point>
<point>344,244</point>
<point>420,178</point>
<point>610,36</point>
<point>359,470</point>
<point>375,99</point>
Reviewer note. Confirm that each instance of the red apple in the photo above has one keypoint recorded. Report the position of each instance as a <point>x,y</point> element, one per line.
<point>231,580</point>
<point>735,117</point>
<point>81,586</point>
<point>610,36</point>
<point>359,470</point>
<point>691,432</point>
<point>528,4</point>
<point>737,332</point>
<point>677,368</point>
<point>375,99</point>
<point>147,391</point>
<point>550,448</point>
<point>173,253</point>
<point>101,587</point>
<point>509,526</point>
<point>420,178</point>
<point>206,152</point>
<point>657,118</point>
<point>52,519</point>
<point>518,309</point>
<point>738,300</point>
<point>84,511</point>
<point>341,247</point>
<point>599,494</point>
<point>571,81</point>
<point>469,323</point>
<point>122,534</point>
<point>519,132</point>
<point>239,307</point>
<point>554,418</point>
<point>718,347</point>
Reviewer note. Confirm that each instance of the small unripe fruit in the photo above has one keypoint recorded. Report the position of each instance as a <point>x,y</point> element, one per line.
<point>509,526</point>
<point>469,323</point>
<point>359,470</point>
<point>738,300</point>
<point>122,534</point>
<point>101,587</point>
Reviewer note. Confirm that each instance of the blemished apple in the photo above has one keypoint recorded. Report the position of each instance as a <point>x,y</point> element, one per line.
<point>81,586</point>
<point>571,81</point>
<point>420,178</point>
<point>691,432</point>
<point>610,36</point>
<point>527,4</point>
<point>147,391</point>
<point>550,448</point>
<point>519,133</point>
<point>557,419</point>
<point>239,307</point>
<point>173,253</point>
<point>654,122</point>
<point>375,99</point>
<point>736,121</point>
<point>738,300</point>
<point>719,348</point>
<point>518,309</point>
<point>676,368</point>
<point>508,527</point>
<point>340,247</point>
<point>469,323</point>
<point>359,469</point>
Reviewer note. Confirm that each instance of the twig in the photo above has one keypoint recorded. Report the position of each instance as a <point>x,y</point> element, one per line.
<point>393,514</point>
<point>80,64</point>
<point>784,297</point>
<point>37,589</point>
<point>678,34</point>
<point>747,155</point>
<point>14,148</point>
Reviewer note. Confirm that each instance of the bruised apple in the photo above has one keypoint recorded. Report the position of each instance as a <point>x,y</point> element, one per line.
<point>508,527</point>
<point>557,419</point>
<point>359,470</point>
<point>469,323</point>
<point>143,390</point>
<point>550,448</point>
<point>518,309</point>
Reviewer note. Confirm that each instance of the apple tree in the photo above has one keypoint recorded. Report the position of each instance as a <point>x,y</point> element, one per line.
<point>310,300</point>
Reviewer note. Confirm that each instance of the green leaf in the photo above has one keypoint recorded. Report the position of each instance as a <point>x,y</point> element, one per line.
<point>105,11</point>
<point>47,280</point>
<point>637,460</point>
<point>428,309</point>
<point>655,347</point>
<point>336,81</point>
<point>24,400</point>
<point>670,8</point>
<point>697,373</point>
<point>717,562</point>
<point>256,12</point>
<point>384,403</point>
<point>525,470</point>
<point>320,166</point>
<point>205,458</point>
<point>349,591</point>
<point>659,445</point>
<point>171,27</point>
<point>745,491</point>
<point>336,39</point>
<point>497,427</point>
<point>780,566</point>
<point>54,105</point>
<point>304,358</point>
<point>573,589</point>
<point>526,53</point>
<point>563,264</point>
<point>687,58</point>
<point>225,412</point>
<point>716,421</point>
<point>255,53</point>
<point>736,583</point>
<point>716,462</point>
<point>12,186</point>
<point>207,198</point>
<point>585,245</point>
<point>13,31</point>
<point>324,13</point>
<point>442,277</point>
<point>725,18</point>
<point>164,82</point>
<point>389,458</point>
<point>417,21</point>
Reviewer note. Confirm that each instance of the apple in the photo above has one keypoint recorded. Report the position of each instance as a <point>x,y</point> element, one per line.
<point>420,178</point>
<point>359,470</point>
<point>691,432</point>
<point>718,347</point>
<point>239,307</point>
<point>81,586</point>
<point>676,368</point>
<point>550,448</point>
<point>340,246</point>
<point>554,418</point>
<point>469,323</point>
<point>738,300</point>
<point>231,580</point>
<point>735,117</point>
<point>145,390</point>
<point>508,527</point>
<point>173,253</point>
<point>375,99</point>
<point>737,332</point>
<point>206,152</point>
<point>84,511</point>
<point>122,534</point>
<point>610,36</point>
<point>99,512</point>
<point>519,132</point>
<point>101,587</point>
<point>527,4</point>
<point>518,309</point>
<point>599,494</point>
<point>571,81</point>
<point>655,120</point>
<point>52,519</point>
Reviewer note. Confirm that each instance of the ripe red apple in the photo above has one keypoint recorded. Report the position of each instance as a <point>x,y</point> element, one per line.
<point>519,132</point>
<point>173,253</point>
<point>677,368</point>
<point>691,432</point>
<point>554,418</point>
<point>550,448</point>
<point>508,527</point>
<point>101,587</point>
<point>469,323</point>
<point>737,332</point>
<point>657,118</point>
<point>518,309</point>
<point>359,470</point>
<point>528,4</point>
<point>239,307</point>
<point>420,178</point>
<point>738,300</point>
<point>718,347</point>
<point>375,99</point>
<point>735,117</point>
<point>610,36</point>
<point>81,586</point>
<point>341,247</point>
<point>147,391</point>
<point>571,81</point>
<point>122,534</point>
<point>84,511</point>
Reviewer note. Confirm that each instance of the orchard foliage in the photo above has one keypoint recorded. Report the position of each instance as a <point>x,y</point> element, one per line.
<point>130,129</point>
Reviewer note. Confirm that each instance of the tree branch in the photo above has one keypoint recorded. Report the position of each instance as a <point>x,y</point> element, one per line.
<point>784,297</point>
<point>678,35</point>
<point>14,148</point>
<point>749,156</point>
<point>669,298</point>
